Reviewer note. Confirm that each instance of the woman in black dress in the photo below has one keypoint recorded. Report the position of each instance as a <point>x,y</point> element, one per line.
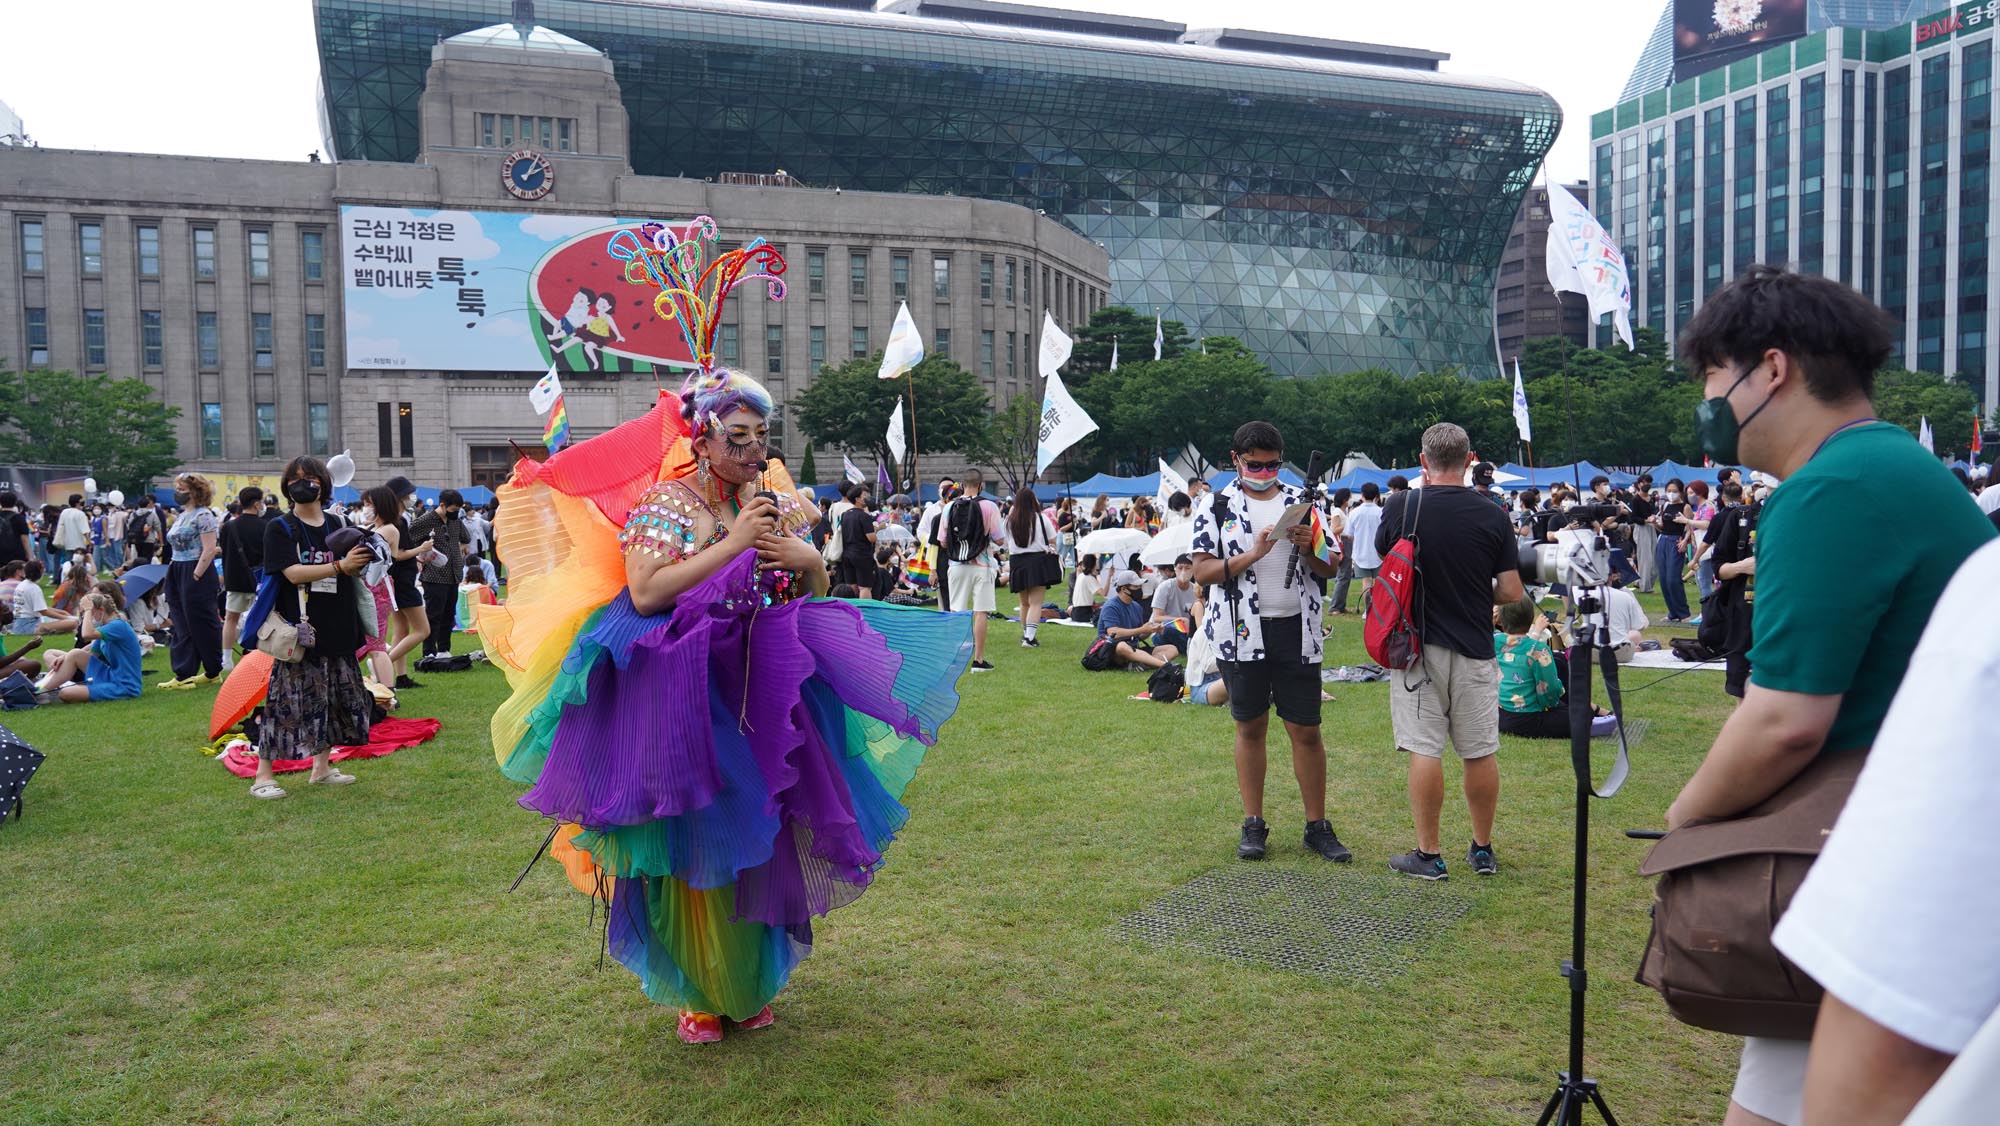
<point>1032,567</point>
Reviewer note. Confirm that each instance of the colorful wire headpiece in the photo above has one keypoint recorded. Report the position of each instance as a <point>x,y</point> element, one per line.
<point>693,277</point>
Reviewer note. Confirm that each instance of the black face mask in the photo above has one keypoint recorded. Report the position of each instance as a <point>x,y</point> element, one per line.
<point>304,491</point>
<point>182,497</point>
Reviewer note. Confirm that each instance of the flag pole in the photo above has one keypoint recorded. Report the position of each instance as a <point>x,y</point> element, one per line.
<point>916,484</point>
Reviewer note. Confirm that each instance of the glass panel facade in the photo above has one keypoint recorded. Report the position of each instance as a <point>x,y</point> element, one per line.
<point>1812,174</point>
<point>211,430</point>
<point>152,339</point>
<point>1896,196</point>
<point>1778,175</point>
<point>267,430</point>
<point>1745,156</point>
<point>1714,198</point>
<point>1684,169</point>
<point>38,337</point>
<point>1933,194</point>
<point>1868,155</point>
<point>93,339</point>
<point>149,252</point>
<point>1656,225</point>
<point>1850,188</point>
<point>1328,218</point>
<point>1975,131</point>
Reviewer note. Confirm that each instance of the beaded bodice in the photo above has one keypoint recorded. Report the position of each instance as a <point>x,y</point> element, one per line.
<point>665,521</point>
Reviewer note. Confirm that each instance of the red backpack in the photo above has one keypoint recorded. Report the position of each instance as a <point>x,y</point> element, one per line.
<point>1390,634</point>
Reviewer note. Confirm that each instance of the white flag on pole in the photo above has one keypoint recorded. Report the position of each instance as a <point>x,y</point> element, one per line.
<point>1582,258</point>
<point>1159,338</point>
<point>896,443</point>
<point>1924,437</point>
<point>545,392</point>
<point>851,470</point>
<point>1114,353</point>
<point>905,349</point>
<point>1170,483</point>
<point>1521,405</point>
<point>1063,423</point>
<point>1056,346</point>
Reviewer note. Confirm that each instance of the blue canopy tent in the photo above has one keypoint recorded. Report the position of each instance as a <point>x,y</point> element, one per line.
<point>1671,468</point>
<point>476,494</point>
<point>1110,486</point>
<point>346,494</point>
<point>1577,473</point>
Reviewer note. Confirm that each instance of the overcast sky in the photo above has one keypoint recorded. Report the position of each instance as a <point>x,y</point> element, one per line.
<point>238,77</point>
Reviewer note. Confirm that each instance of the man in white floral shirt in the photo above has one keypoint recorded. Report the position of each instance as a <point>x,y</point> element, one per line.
<point>1264,624</point>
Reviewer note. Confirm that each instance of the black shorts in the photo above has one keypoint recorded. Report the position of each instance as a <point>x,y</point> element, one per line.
<point>1280,678</point>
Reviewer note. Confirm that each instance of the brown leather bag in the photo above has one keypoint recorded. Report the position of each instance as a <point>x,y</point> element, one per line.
<point>1723,887</point>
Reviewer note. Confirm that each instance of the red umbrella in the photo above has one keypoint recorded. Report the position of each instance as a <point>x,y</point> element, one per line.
<point>241,693</point>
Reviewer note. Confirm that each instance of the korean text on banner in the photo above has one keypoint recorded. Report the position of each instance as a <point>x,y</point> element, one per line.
<point>1063,423</point>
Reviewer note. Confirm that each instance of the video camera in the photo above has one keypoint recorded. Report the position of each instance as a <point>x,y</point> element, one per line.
<point>1581,556</point>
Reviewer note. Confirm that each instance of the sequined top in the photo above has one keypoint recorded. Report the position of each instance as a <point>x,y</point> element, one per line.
<point>663,525</point>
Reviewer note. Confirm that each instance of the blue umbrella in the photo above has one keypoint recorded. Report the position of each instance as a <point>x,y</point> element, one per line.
<point>140,580</point>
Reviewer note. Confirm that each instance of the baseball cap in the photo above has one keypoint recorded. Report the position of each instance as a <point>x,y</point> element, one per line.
<point>1125,579</point>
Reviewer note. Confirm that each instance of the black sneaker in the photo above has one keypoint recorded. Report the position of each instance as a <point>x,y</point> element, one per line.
<point>405,682</point>
<point>1030,643</point>
<point>1482,859</point>
<point>1414,863</point>
<point>1320,839</point>
<point>982,666</point>
<point>1255,833</point>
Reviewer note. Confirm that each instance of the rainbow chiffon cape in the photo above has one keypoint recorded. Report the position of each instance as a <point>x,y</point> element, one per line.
<point>720,773</point>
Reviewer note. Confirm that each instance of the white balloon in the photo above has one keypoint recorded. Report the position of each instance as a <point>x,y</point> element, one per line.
<point>117,497</point>
<point>90,484</point>
<point>342,468</point>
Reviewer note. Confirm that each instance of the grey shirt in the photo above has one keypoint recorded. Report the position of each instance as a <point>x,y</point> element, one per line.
<point>1170,601</point>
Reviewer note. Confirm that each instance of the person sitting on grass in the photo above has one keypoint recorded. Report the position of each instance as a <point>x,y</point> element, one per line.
<point>32,613</point>
<point>1534,700</point>
<point>1126,621</point>
<point>17,660</point>
<point>109,665</point>
<point>1084,589</point>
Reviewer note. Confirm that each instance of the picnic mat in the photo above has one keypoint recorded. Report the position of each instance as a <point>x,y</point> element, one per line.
<point>1665,659</point>
<point>384,738</point>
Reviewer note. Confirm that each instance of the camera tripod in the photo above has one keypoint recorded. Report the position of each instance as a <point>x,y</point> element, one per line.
<point>1573,1089</point>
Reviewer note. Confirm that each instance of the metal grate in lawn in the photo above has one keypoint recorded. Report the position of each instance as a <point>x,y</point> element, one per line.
<point>1340,925</point>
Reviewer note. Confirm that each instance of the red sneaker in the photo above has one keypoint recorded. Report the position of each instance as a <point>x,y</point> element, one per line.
<point>763,1019</point>
<point>699,1028</point>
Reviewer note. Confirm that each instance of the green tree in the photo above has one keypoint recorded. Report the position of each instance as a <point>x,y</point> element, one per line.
<point>1134,333</point>
<point>1012,442</point>
<point>113,426</point>
<point>848,406</point>
<point>1147,410</point>
<point>808,472</point>
<point>1906,398</point>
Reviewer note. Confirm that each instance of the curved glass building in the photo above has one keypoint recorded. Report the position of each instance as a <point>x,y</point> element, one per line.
<point>1334,205</point>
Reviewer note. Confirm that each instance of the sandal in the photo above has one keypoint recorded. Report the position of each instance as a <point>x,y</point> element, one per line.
<point>698,1028</point>
<point>333,777</point>
<point>265,791</point>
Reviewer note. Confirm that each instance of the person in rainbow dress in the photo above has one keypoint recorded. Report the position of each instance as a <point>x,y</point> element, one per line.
<point>722,749</point>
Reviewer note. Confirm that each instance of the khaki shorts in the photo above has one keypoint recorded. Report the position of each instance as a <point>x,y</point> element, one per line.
<point>1447,696</point>
<point>236,602</point>
<point>972,587</point>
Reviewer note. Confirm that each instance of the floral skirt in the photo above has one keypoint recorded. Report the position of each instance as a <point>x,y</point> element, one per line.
<point>315,704</point>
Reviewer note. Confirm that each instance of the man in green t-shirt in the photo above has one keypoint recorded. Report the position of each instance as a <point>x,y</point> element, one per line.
<point>1789,364</point>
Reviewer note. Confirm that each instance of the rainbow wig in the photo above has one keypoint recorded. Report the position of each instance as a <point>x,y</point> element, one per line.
<point>709,397</point>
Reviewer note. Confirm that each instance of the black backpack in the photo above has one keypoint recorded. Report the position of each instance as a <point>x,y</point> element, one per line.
<point>966,530</point>
<point>1166,682</point>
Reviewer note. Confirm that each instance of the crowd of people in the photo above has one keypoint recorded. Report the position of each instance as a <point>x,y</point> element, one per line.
<point>132,577</point>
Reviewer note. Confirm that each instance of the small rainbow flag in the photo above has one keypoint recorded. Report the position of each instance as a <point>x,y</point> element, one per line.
<point>555,432</point>
<point>1325,548</point>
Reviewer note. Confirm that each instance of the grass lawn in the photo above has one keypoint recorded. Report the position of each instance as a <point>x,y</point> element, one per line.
<point>173,950</point>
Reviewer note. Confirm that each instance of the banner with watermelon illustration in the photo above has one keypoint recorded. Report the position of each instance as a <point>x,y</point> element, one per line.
<point>497,291</point>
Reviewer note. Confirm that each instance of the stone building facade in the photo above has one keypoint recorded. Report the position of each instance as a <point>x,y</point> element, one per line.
<point>219,282</point>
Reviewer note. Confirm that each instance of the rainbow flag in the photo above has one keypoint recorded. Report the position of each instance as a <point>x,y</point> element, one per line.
<point>1325,548</point>
<point>555,432</point>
